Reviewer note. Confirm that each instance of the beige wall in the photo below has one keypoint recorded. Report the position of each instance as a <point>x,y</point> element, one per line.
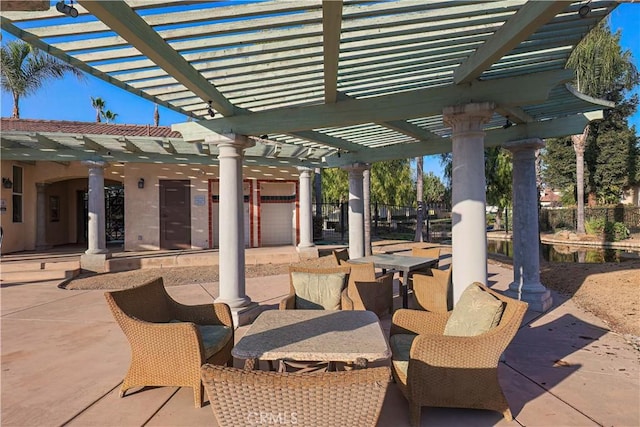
<point>64,180</point>
<point>142,210</point>
<point>141,205</point>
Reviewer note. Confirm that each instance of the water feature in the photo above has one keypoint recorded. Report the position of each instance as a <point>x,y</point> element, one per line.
<point>568,253</point>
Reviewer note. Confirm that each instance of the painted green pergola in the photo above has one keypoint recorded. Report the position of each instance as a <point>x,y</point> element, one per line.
<point>345,84</point>
<point>367,81</point>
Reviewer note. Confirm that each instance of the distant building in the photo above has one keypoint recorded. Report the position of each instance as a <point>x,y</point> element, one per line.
<point>550,198</point>
<point>161,192</point>
<point>631,195</point>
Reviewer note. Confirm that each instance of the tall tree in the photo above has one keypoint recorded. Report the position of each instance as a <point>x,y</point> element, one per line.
<point>603,70</point>
<point>335,185</point>
<point>24,69</point>
<point>434,189</point>
<point>498,173</point>
<point>156,116</point>
<point>392,183</point>
<point>419,198</point>
<point>579,143</point>
<point>98,104</point>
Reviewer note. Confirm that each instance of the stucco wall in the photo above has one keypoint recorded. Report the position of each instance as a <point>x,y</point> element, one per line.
<point>22,236</point>
<point>142,206</point>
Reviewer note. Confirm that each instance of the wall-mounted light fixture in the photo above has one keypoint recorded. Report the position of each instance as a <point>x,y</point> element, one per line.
<point>67,9</point>
<point>210,109</point>
<point>141,183</point>
<point>7,183</point>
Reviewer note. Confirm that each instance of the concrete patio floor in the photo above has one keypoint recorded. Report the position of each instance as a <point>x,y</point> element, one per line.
<point>63,358</point>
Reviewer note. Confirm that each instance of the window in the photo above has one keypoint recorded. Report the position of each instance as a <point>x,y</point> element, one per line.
<point>17,194</point>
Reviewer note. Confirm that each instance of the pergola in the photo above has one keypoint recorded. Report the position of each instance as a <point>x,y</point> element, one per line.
<point>345,84</point>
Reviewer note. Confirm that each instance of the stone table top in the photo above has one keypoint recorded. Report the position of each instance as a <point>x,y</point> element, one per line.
<point>397,262</point>
<point>314,335</point>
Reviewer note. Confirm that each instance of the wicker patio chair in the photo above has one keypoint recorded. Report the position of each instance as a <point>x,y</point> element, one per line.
<point>340,255</point>
<point>433,369</point>
<point>344,398</point>
<point>170,341</point>
<point>320,276</point>
<point>434,291</point>
<point>369,291</point>
<point>433,252</point>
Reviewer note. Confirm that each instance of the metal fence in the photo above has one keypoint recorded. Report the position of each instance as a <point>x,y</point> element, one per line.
<point>566,218</point>
<point>331,221</point>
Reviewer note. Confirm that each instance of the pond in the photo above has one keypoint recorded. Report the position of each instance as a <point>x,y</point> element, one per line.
<point>567,253</point>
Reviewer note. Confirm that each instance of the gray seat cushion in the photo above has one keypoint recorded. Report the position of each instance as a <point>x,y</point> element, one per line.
<point>214,337</point>
<point>400,350</point>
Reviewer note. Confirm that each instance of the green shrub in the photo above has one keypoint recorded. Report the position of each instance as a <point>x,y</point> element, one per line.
<point>619,231</point>
<point>595,226</point>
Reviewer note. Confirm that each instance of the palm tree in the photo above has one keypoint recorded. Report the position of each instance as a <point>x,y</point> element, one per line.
<point>601,69</point>
<point>579,143</point>
<point>156,116</point>
<point>419,197</point>
<point>98,104</point>
<point>24,69</point>
<point>109,116</point>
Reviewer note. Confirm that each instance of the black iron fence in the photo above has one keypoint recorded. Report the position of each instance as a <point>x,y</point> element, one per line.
<point>552,219</point>
<point>331,221</point>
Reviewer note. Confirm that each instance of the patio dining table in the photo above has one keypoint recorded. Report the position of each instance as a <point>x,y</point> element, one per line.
<point>404,264</point>
<point>313,336</point>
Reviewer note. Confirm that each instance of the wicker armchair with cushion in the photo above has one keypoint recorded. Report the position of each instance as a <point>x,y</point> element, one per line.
<point>434,291</point>
<point>451,359</point>
<point>317,289</point>
<point>170,341</point>
<point>344,398</point>
<point>368,291</point>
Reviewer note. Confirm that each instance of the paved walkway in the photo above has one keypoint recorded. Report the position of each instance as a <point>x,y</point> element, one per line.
<point>63,358</point>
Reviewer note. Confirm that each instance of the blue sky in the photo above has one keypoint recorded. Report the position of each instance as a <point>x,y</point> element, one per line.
<point>68,99</point>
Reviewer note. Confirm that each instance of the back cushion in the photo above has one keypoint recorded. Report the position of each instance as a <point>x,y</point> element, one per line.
<point>318,291</point>
<point>475,313</point>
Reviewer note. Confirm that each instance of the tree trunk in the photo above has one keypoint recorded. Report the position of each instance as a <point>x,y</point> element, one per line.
<point>366,198</point>
<point>16,108</point>
<point>579,143</point>
<point>498,220</point>
<point>98,120</point>
<point>419,185</point>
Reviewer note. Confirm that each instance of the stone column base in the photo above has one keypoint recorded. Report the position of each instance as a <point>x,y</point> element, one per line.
<point>94,262</point>
<point>538,298</point>
<point>307,252</point>
<point>245,315</point>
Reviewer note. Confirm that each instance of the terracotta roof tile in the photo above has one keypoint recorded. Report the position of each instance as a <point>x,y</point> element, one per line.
<point>86,128</point>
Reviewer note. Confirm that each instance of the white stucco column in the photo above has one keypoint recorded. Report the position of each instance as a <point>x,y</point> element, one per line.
<point>231,232</point>
<point>526,284</point>
<point>366,200</point>
<point>41,217</point>
<point>469,236</point>
<point>356,210</point>
<point>97,253</point>
<point>306,248</point>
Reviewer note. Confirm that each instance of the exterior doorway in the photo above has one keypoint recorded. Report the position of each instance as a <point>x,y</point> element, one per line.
<point>175,214</point>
